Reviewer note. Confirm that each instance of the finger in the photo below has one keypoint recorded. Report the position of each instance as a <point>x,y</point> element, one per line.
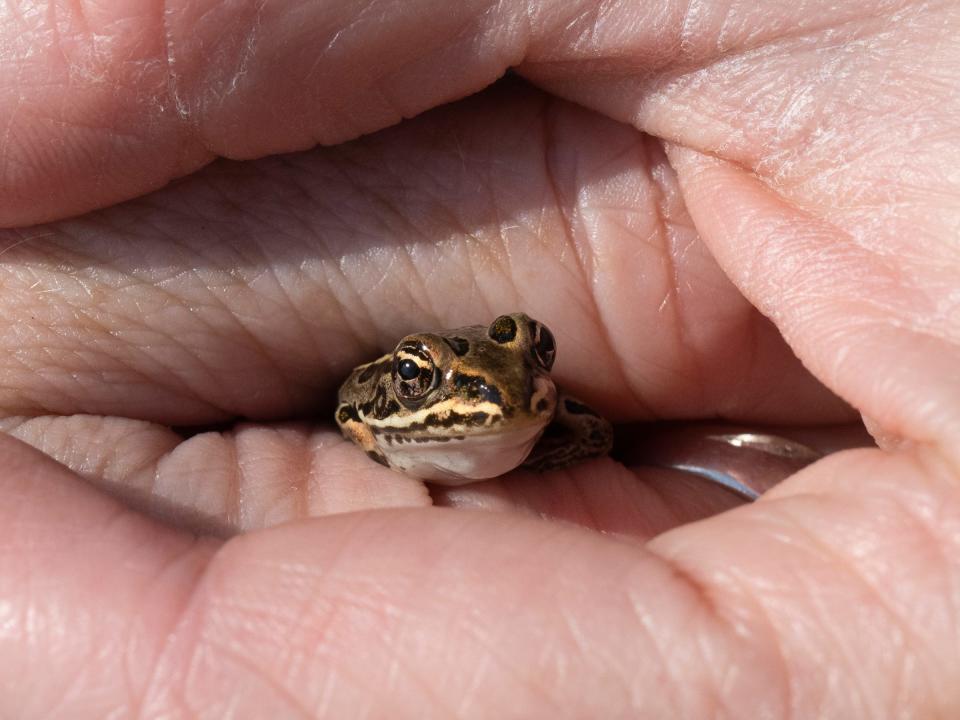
<point>158,631</point>
<point>430,613</point>
<point>220,483</point>
<point>832,215</point>
<point>637,503</point>
<point>315,618</point>
<point>147,93</point>
<point>89,591</point>
<point>776,87</point>
<point>545,208</point>
<point>250,477</point>
<point>885,339</point>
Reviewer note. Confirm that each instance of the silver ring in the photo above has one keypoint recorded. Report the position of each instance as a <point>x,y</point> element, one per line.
<point>744,461</point>
<point>770,458</point>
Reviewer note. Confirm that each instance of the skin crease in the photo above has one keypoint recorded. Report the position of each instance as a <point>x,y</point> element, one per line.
<point>809,148</point>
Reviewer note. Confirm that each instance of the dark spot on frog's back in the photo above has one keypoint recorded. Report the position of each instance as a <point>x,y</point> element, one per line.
<point>477,388</point>
<point>578,408</point>
<point>459,345</point>
<point>503,329</point>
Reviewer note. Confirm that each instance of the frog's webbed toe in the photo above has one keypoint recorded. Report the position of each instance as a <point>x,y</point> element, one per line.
<point>576,433</point>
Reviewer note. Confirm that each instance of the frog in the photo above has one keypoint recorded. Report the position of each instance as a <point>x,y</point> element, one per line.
<point>469,404</point>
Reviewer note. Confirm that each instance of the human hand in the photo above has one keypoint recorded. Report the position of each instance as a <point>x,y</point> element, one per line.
<point>811,149</point>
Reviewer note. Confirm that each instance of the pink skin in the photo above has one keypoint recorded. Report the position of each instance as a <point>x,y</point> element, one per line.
<point>794,158</point>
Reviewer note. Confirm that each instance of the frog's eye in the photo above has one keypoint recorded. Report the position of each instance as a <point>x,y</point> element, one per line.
<point>414,372</point>
<point>544,346</point>
<point>503,330</point>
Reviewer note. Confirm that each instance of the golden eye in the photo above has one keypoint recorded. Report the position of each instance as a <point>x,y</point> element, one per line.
<point>414,372</point>
<point>503,330</point>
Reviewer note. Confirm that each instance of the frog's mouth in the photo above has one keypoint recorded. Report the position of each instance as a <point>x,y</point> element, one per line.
<point>457,423</point>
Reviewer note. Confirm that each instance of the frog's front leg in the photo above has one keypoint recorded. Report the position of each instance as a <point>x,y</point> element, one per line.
<point>576,433</point>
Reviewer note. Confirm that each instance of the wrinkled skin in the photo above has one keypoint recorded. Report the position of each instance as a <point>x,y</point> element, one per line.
<point>800,158</point>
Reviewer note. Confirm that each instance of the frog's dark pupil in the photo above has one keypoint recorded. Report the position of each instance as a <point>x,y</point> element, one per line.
<point>408,369</point>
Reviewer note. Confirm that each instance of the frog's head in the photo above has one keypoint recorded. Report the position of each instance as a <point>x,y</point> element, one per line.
<point>463,404</point>
<point>496,375</point>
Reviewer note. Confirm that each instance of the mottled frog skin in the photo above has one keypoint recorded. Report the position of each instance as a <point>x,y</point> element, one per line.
<point>467,404</point>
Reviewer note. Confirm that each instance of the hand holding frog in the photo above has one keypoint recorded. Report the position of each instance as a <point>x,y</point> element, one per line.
<point>813,155</point>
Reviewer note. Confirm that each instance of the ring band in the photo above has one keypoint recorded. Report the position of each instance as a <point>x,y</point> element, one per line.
<point>744,461</point>
<point>762,461</point>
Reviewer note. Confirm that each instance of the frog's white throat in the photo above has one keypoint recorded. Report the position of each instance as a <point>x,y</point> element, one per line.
<point>459,460</point>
